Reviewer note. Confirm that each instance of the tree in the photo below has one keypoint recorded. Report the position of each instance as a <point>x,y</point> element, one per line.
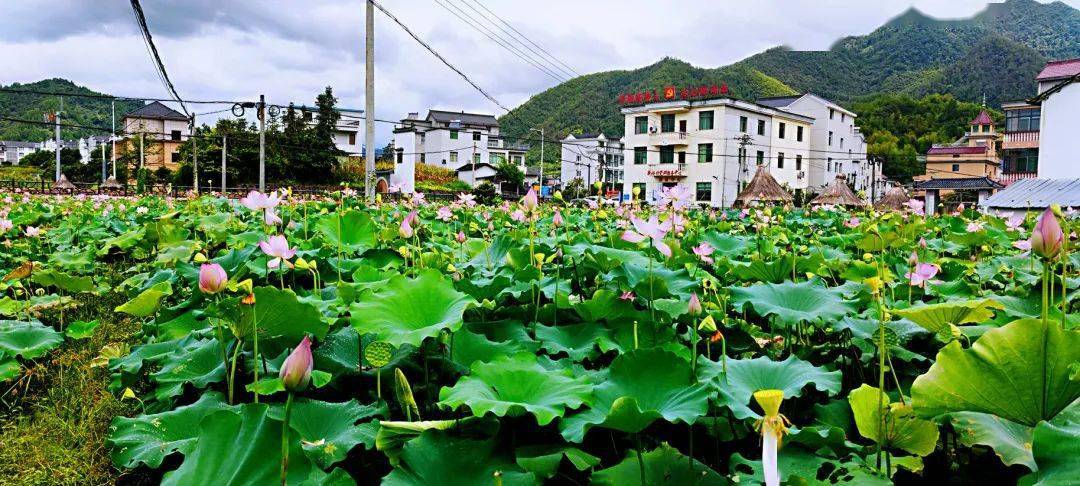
<point>510,174</point>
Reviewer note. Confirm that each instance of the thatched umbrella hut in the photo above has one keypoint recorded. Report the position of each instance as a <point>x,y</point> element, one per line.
<point>895,200</point>
<point>763,188</point>
<point>110,183</point>
<point>838,194</point>
<point>64,184</point>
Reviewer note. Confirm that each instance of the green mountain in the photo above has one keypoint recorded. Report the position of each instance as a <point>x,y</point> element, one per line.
<point>89,112</point>
<point>994,54</point>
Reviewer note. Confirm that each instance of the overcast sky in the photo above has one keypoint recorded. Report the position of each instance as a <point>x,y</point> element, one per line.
<point>291,49</point>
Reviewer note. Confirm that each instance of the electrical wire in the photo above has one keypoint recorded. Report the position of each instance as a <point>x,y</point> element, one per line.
<point>140,17</point>
<point>567,69</point>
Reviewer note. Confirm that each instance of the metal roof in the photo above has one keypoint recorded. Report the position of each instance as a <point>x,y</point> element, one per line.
<point>778,101</point>
<point>1037,193</point>
<point>959,183</point>
<point>963,150</point>
<point>156,111</point>
<point>1059,69</point>
<point>465,118</point>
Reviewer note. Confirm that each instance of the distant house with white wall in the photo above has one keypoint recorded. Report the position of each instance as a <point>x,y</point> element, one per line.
<point>12,151</point>
<point>347,131</point>
<point>837,146</point>
<point>592,157</point>
<point>1059,128</point>
<point>450,140</point>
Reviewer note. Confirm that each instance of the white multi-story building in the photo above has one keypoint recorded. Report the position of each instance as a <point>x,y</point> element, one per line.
<point>712,146</point>
<point>1059,98</point>
<point>347,131</point>
<point>837,146</point>
<point>11,152</point>
<point>592,157</point>
<point>450,140</point>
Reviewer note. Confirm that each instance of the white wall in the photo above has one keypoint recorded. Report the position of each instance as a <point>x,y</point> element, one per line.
<point>1059,138</point>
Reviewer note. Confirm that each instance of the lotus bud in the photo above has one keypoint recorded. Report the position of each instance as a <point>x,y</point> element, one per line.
<point>914,258</point>
<point>295,372</point>
<point>694,307</point>
<point>530,201</point>
<point>405,395</point>
<point>460,237</point>
<point>922,243</point>
<point>406,229</point>
<point>558,196</point>
<point>557,219</point>
<point>1047,237</point>
<point>212,278</point>
<point>200,258</point>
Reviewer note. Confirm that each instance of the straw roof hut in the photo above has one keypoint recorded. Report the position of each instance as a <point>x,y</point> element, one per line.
<point>763,188</point>
<point>64,183</point>
<point>895,200</point>
<point>838,194</point>
<point>110,183</point>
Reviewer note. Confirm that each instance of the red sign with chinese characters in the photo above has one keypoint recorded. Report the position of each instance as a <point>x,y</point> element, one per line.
<point>671,93</point>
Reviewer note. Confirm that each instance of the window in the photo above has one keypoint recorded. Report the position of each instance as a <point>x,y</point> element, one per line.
<point>578,159</point>
<point>831,113</point>
<point>780,160</point>
<point>175,136</point>
<point>667,123</point>
<point>798,162</point>
<point>476,136</point>
<point>761,127</point>
<point>453,134</point>
<point>640,155</point>
<point>1022,120</point>
<point>516,159</point>
<point>705,120</point>
<point>843,116</point>
<point>828,165</point>
<point>1023,160</point>
<point>641,124</point>
<point>841,142</point>
<point>667,154</point>
<point>760,157</point>
<point>400,156</point>
<point>704,191</point>
<point>783,128</point>
<point>742,124</point>
<point>798,134</point>
<point>423,158</point>
<point>173,157</point>
<point>839,166</point>
<point>476,158</point>
<point>496,159</point>
<point>640,187</point>
<point>704,153</point>
<point>830,138</point>
<point>453,157</point>
<point>682,157</point>
<point>956,167</point>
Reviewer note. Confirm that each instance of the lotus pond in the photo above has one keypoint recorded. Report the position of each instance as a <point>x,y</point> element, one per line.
<point>324,341</point>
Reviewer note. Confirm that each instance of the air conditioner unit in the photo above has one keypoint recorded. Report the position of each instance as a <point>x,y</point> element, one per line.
<point>801,174</point>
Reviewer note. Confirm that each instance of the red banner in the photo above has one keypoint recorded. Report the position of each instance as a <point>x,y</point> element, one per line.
<point>671,93</point>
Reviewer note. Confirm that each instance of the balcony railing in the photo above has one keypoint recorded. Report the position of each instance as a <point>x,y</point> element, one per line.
<point>1011,177</point>
<point>1032,136</point>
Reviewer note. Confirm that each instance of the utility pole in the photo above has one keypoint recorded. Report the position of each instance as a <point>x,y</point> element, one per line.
<point>472,160</point>
<point>224,145</point>
<point>112,138</point>
<point>369,103</point>
<point>194,155</point>
<point>59,145</point>
<point>541,130</point>
<point>104,164</point>
<point>873,180</point>
<point>744,140</point>
<point>262,143</point>
<point>142,156</point>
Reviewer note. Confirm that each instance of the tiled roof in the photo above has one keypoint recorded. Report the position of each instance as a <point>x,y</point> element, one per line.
<point>960,183</point>
<point>156,110</point>
<point>778,101</point>
<point>1037,193</point>
<point>464,118</point>
<point>956,150</point>
<point>982,119</point>
<point>1059,69</point>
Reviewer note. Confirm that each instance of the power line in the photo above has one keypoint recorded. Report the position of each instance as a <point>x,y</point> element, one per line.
<point>483,29</point>
<point>140,17</point>
<point>523,36</point>
<point>437,55</point>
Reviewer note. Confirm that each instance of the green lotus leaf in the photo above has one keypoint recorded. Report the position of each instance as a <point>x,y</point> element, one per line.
<point>9,368</point>
<point>280,314</point>
<point>940,318</point>
<point>148,301</point>
<point>470,347</point>
<point>198,363</point>
<point>1019,372</point>
<point>726,244</point>
<point>578,341</point>
<point>328,431</point>
<point>1009,440</point>
<point>794,464</point>
<point>353,230</point>
<point>544,460</point>
<point>407,311</point>
<point>65,281</point>
<point>512,385</point>
<point>793,302</point>
<point>82,329</point>
<point>899,428</point>
<point>147,439</point>
<point>27,339</point>
<point>243,448</point>
<point>663,465</point>
<point>1055,446</point>
<point>435,457</point>
<point>643,385</point>
<point>746,376</point>
<point>659,281</point>
<point>775,271</point>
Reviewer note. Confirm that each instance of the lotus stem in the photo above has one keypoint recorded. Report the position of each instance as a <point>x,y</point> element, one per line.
<point>285,439</point>
<point>232,370</point>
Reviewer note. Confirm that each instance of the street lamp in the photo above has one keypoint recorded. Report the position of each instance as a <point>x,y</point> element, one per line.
<point>541,130</point>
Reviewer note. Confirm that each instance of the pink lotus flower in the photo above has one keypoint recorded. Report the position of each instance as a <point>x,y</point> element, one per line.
<point>694,306</point>
<point>627,296</point>
<point>270,217</point>
<point>212,278</point>
<point>518,215</point>
<point>5,225</point>
<point>852,223</point>
<point>557,219</point>
<point>467,200</point>
<point>256,200</point>
<point>1022,245</point>
<point>1047,237</point>
<point>678,197</point>
<point>406,229</point>
<point>33,231</point>
<point>1015,222</point>
<point>418,198</point>
<point>974,226</point>
<point>295,372</point>
<point>923,273</point>
<point>530,201</point>
<point>444,214</point>
<point>917,206</point>
<point>704,252</point>
<point>278,247</point>
<point>460,237</point>
<point>651,230</point>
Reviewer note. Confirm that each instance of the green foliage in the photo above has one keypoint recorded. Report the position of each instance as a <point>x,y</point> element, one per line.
<point>87,112</point>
